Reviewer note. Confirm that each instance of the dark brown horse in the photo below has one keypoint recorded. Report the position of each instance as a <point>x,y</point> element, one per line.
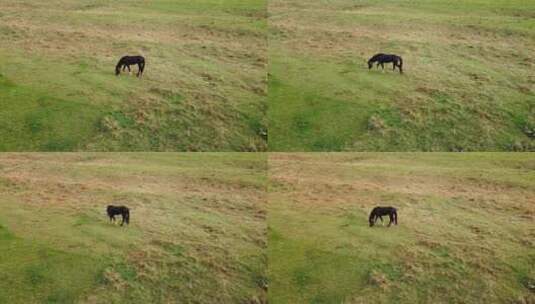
<point>122,210</point>
<point>381,59</point>
<point>127,61</point>
<point>378,212</point>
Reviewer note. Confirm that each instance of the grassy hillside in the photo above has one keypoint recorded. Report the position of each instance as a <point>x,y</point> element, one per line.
<point>465,232</point>
<point>197,230</point>
<point>468,84</point>
<point>204,86</point>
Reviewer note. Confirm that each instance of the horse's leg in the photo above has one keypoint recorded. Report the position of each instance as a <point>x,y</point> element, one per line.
<point>391,219</point>
<point>377,217</point>
<point>122,222</point>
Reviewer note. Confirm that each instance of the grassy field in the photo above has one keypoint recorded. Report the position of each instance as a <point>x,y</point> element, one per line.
<point>197,231</point>
<point>468,84</point>
<point>465,232</point>
<point>204,86</point>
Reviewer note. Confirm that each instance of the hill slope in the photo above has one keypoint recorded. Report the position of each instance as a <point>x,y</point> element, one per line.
<point>468,83</point>
<point>197,229</point>
<point>465,232</point>
<point>204,86</point>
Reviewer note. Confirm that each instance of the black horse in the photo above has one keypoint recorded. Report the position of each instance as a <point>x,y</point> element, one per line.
<point>378,212</point>
<point>127,61</point>
<point>381,59</point>
<point>122,210</point>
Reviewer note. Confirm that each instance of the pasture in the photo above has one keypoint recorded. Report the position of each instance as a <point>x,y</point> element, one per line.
<point>197,228</point>
<point>204,86</point>
<point>468,84</point>
<point>465,230</point>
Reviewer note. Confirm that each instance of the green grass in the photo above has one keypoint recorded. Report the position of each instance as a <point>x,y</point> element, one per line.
<point>464,235</point>
<point>39,273</point>
<point>204,85</point>
<point>197,230</point>
<point>467,84</point>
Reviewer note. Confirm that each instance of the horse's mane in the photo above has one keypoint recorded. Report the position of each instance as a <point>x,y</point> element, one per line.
<point>374,58</point>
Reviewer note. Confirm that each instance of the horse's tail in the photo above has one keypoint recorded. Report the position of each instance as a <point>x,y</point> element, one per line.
<point>141,64</point>
<point>127,216</point>
<point>400,65</point>
<point>395,216</point>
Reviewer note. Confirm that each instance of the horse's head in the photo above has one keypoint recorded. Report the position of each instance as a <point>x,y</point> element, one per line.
<point>371,218</point>
<point>370,64</point>
<point>118,66</point>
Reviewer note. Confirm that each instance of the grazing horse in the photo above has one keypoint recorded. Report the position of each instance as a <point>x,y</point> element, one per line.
<point>122,210</point>
<point>381,59</point>
<point>378,212</point>
<point>127,61</point>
